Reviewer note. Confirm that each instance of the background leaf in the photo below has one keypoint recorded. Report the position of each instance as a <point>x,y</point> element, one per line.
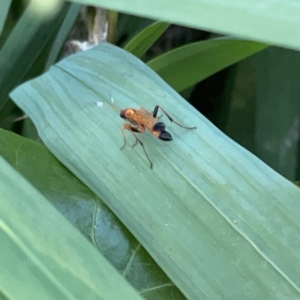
<point>18,54</point>
<point>141,42</point>
<point>43,256</point>
<point>267,21</point>
<point>210,213</point>
<point>62,34</point>
<point>277,104</point>
<point>187,65</point>
<point>264,114</point>
<point>129,26</point>
<point>4,4</point>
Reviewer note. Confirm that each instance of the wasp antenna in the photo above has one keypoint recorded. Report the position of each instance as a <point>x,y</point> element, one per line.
<point>169,117</point>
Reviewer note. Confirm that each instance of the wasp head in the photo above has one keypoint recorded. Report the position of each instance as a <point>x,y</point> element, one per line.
<point>122,114</point>
<point>127,113</point>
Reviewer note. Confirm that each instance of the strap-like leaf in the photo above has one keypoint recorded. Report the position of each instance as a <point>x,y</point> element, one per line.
<point>146,38</point>
<point>268,21</point>
<point>188,65</point>
<point>5,4</point>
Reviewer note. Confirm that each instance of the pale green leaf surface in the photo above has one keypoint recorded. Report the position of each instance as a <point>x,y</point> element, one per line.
<point>217,220</point>
<point>187,65</point>
<point>43,256</point>
<point>267,21</point>
<point>4,4</point>
<point>23,46</point>
<point>142,41</point>
<point>89,214</point>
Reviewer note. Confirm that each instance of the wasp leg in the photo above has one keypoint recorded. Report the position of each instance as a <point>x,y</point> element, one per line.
<point>137,140</point>
<point>124,139</point>
<point>134,143</point>
<point>169,117</point>
<point>133,130</point>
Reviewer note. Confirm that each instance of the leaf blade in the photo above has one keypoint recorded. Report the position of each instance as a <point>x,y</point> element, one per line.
<point>190,64</point>
<point>3,13</point>
<point>63,32</point>
<point>266,21</point>
<point>18,54</point>
<point>141,42</point>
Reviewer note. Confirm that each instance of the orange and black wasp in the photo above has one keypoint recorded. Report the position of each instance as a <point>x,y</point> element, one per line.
<point>140,120</point>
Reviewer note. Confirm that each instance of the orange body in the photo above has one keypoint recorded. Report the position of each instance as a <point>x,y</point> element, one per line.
<point>141,119</point>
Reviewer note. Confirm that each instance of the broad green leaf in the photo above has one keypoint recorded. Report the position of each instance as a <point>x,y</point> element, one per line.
<point>43,256</point>
<point>88,213</point>
<point>63,32</point>
<point>187,65</point>
<point>218,221</point>
<point>267,21</point>
<point>22,48</point>
<point>4,4</point>
<point>146,38</point>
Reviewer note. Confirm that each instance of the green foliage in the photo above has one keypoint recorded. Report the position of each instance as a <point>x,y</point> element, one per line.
<point>183,199</point>
<point>3,12</point>
<point>50,257</point>
<point>19,54</point>
<point>62,34</point>
<point>215,219</point>
<point>197,61</point>
<point>139,44</point>
<point>268,21</point>
<point>88,214</point>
